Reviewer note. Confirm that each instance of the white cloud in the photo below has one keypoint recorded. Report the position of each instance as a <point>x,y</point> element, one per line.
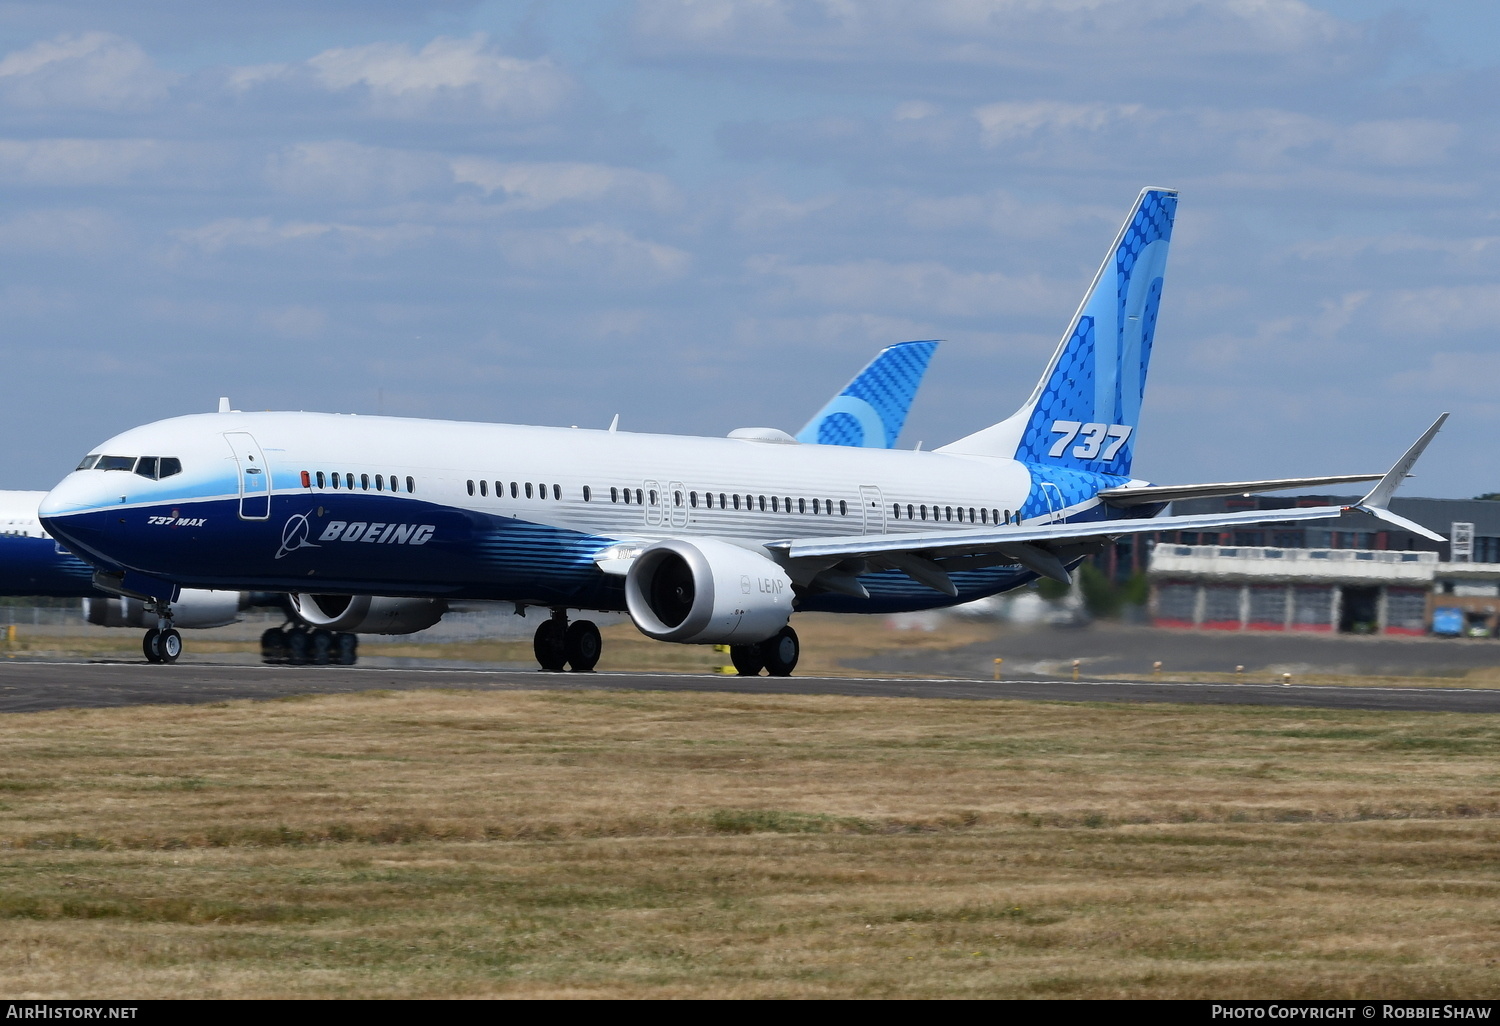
<point>350,171</point>
<point>1142,37</point>
<point>537,186</point>
<point>263,233</point>
<point>1442,310</point>
<point>79,230</point>
<point>445,70</point>
<point>926,286</point>
<point>1005,122</point>
<point>64,162</point>
<point>600,249</point>
<point>94,70</point>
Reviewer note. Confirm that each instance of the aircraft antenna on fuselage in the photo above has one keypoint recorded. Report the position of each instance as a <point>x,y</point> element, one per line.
<point>614,423</point>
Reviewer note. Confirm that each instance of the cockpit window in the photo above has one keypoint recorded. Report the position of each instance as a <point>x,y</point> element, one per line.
<point>169,465</point>
<point>88,462</point>
<point>115,463</point>
<point>146,467</point>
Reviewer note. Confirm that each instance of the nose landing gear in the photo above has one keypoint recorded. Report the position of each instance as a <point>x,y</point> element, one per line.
<point>559,645</point>
<point>162,643</point>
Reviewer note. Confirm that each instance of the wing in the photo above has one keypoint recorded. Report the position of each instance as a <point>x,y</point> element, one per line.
<point>1126,496</point>
<point>929,556</point>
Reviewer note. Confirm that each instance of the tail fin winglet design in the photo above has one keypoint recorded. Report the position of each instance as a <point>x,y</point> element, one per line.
<point>872,408</point>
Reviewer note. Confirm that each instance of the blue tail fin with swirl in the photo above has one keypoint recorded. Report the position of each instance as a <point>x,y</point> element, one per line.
<point>1084,412</point>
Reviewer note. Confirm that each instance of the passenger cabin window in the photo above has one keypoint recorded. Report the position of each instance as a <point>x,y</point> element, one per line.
<point>557,492</point>
<point>637,496</point>
<point>471,487</point>
<point>677,499</point>
<point>801,505</point>
<point>484,487</point>
<point>411,485</point>
<point>335,481</point>
<point>585,493</point>
<point>349,481</point>
<point>379,483</point>
<point>692,500</point>
<point>528,489</point>
<point>322,480</point>
<point>614,494</point>
<point>843,508</point>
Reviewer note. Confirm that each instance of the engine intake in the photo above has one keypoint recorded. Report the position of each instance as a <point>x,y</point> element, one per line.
<point>707,592</point>
<point>365,614</point>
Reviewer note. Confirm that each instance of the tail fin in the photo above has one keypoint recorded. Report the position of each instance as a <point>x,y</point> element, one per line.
<point>870,410</point>
<point>1084,412</point>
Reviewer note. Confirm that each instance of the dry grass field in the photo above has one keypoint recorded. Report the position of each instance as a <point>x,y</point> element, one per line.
<point>434,844</point>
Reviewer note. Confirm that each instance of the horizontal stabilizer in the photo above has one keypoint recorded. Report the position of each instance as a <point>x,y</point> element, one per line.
<point>1132,495</point>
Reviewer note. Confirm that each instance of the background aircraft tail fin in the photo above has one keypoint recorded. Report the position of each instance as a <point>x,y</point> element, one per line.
<point>871,409</point>
<point>1085,409</point>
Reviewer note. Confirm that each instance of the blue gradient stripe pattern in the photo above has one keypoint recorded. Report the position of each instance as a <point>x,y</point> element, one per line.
<point>872,409</point>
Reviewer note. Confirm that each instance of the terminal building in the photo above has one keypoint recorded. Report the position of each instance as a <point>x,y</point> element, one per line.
<point>1355,574</point>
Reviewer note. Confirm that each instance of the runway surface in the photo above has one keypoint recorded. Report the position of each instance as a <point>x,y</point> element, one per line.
<point>35,686</point>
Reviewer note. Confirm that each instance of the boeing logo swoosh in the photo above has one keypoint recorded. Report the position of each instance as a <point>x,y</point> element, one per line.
<point>294,535</point>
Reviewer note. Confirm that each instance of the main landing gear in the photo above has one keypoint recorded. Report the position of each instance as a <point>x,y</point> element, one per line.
<point>299,645</point>
<point>561,645</point>
<point>162,643</point>
<point>777,655</point>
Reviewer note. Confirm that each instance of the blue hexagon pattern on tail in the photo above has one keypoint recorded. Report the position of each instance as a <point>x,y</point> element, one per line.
<point>1083,413</point>
<point>871,409</point>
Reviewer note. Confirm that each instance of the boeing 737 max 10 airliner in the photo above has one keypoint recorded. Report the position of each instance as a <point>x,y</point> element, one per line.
<point>701,540</point>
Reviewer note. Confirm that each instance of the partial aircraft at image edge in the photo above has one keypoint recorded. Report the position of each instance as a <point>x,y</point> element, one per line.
<point>701,540</point>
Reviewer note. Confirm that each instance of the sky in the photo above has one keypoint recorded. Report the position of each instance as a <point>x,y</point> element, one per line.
<point>708,214</point>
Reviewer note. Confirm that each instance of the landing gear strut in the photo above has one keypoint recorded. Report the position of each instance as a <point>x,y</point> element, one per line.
<point>560,645</point>
<point>162,643</point>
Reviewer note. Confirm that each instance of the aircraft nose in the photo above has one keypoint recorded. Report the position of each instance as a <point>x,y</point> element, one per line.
<point>73,494</point>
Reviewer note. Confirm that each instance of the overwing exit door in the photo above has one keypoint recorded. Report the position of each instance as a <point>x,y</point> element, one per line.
<point>255,476</point>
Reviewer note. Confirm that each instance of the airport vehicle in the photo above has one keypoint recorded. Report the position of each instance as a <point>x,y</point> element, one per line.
<point>701,540</point>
